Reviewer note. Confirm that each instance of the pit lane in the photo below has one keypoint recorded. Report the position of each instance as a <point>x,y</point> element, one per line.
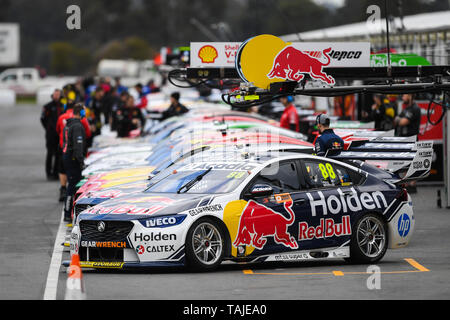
<point>419,271</point>
<point>30,217</point>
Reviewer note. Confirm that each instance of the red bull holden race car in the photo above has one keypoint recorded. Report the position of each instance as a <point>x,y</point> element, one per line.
<point>263,207</point>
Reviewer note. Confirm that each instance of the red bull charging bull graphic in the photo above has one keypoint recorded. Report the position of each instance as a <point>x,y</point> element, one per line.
<point>259,222</point>
<point>293,64</point>
<point>266,59</point>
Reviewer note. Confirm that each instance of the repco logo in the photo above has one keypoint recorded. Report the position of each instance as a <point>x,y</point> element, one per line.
<point>338,55</point>
<point>346,202</point>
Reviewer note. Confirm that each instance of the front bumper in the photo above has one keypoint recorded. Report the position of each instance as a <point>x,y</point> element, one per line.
<point>149,242</point>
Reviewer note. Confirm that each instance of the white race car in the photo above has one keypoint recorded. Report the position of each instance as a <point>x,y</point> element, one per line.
<point>290,207</point>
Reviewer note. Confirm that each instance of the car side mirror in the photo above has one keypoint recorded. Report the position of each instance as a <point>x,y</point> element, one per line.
<point>261,190</point>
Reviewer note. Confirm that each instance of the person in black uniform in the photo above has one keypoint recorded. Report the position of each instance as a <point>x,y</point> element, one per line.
<point>74,141</point>
<point>120,102</point>
<point>408,122</point>
<point>175,108</point>
<point>328,140</point>
<point>129,117</point>
<point>49,116</point>
<point>96,105</point>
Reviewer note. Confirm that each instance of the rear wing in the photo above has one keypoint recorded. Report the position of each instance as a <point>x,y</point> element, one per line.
<point>405,160</point>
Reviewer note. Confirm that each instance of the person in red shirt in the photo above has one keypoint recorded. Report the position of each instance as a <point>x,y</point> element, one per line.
<point>60,124</point>
<point>142,101</point>
<point>289,118</point>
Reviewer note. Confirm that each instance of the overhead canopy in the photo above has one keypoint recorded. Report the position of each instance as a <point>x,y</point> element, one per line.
<point>435,21</point>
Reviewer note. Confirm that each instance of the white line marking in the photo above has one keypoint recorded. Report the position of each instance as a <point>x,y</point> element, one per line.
<point>55,264</point>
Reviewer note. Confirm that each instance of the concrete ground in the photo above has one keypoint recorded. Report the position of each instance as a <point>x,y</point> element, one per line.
<point>30,216</point>
<point>29,208</point>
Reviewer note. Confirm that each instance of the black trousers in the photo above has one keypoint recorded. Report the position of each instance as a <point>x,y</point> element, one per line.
<point>51,161</point>
<point>52,157</point>
<point>73,172</point>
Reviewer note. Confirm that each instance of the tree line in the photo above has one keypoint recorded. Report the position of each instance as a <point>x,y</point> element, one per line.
<point>138,28</point>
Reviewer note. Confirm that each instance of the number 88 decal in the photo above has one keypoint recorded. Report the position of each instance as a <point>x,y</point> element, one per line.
<point>327,171</point>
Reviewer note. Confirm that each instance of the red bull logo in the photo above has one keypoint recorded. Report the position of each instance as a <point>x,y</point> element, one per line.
<point>326,229</point>
<point>258,222</point>
<point>292,64</point>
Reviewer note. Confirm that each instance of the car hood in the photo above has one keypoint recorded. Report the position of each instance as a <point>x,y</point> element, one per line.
<point>145,205</point>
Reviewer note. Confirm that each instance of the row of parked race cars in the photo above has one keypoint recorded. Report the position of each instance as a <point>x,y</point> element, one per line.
<point>215,185</point>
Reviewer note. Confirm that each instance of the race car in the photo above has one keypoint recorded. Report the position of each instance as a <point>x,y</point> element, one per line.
<point>102,189</point>
<point>289,207</point>
<point>142,154</point>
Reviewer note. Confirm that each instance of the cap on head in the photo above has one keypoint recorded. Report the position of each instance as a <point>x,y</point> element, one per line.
<point>323,119</point>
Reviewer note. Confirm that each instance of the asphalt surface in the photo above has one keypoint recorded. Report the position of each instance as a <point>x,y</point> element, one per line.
<point>29,210</point>
<point>30,216</point>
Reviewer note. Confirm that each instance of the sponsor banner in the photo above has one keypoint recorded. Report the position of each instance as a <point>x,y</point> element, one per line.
<point>98,264</point>
<point>104,244</point>
<point>213,54</point>
<point>342,54</point>
<point>345,203</point>
<point>140,249</point>
<point>403,225</point>
<point>327,228</point>
<point>398,60</point>
<point>163,222</point>
<point>427,130</point>
<point>206,209</point>
<point>154,237</point>
<point>336,253</point>
<point>125,209</point>
<point>242,166</point>
<point>154,245</point>
<point>257,222</point>
<point>283,197</point>
<point>266,59</point>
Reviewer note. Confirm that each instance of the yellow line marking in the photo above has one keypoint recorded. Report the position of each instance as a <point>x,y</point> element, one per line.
<point>337,273</point>
<point>416,265</point>
<point>387,272</point>
<point>287,273</point>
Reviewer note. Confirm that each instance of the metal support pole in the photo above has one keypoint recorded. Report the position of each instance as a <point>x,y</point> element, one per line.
<point>446,152</point>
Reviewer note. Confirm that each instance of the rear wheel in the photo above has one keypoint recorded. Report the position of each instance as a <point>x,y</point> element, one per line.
<point>369,239</point>
<point>205,245</point>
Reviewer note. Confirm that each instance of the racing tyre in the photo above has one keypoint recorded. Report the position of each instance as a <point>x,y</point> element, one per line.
<point>205,245</point>
<point>369,239</point>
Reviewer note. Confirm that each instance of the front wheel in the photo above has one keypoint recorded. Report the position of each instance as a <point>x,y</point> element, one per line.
<point>369,240</point>
<point>205,245</point>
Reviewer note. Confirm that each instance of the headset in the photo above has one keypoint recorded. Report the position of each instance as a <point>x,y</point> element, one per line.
<point>82,113</point>
<point>323,119</point>
<point>290,98</point>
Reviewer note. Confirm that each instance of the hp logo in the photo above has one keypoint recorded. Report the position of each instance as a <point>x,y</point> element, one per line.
<point>404,224</point>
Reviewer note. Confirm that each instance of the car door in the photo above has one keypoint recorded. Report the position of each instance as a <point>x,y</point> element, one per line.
<point>331,189</point>
<point>268,223</point>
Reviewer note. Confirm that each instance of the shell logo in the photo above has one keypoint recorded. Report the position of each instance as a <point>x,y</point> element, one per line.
<point>207,54</point>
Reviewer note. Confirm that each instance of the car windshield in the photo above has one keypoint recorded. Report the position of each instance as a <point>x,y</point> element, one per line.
<point>214,181</point>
